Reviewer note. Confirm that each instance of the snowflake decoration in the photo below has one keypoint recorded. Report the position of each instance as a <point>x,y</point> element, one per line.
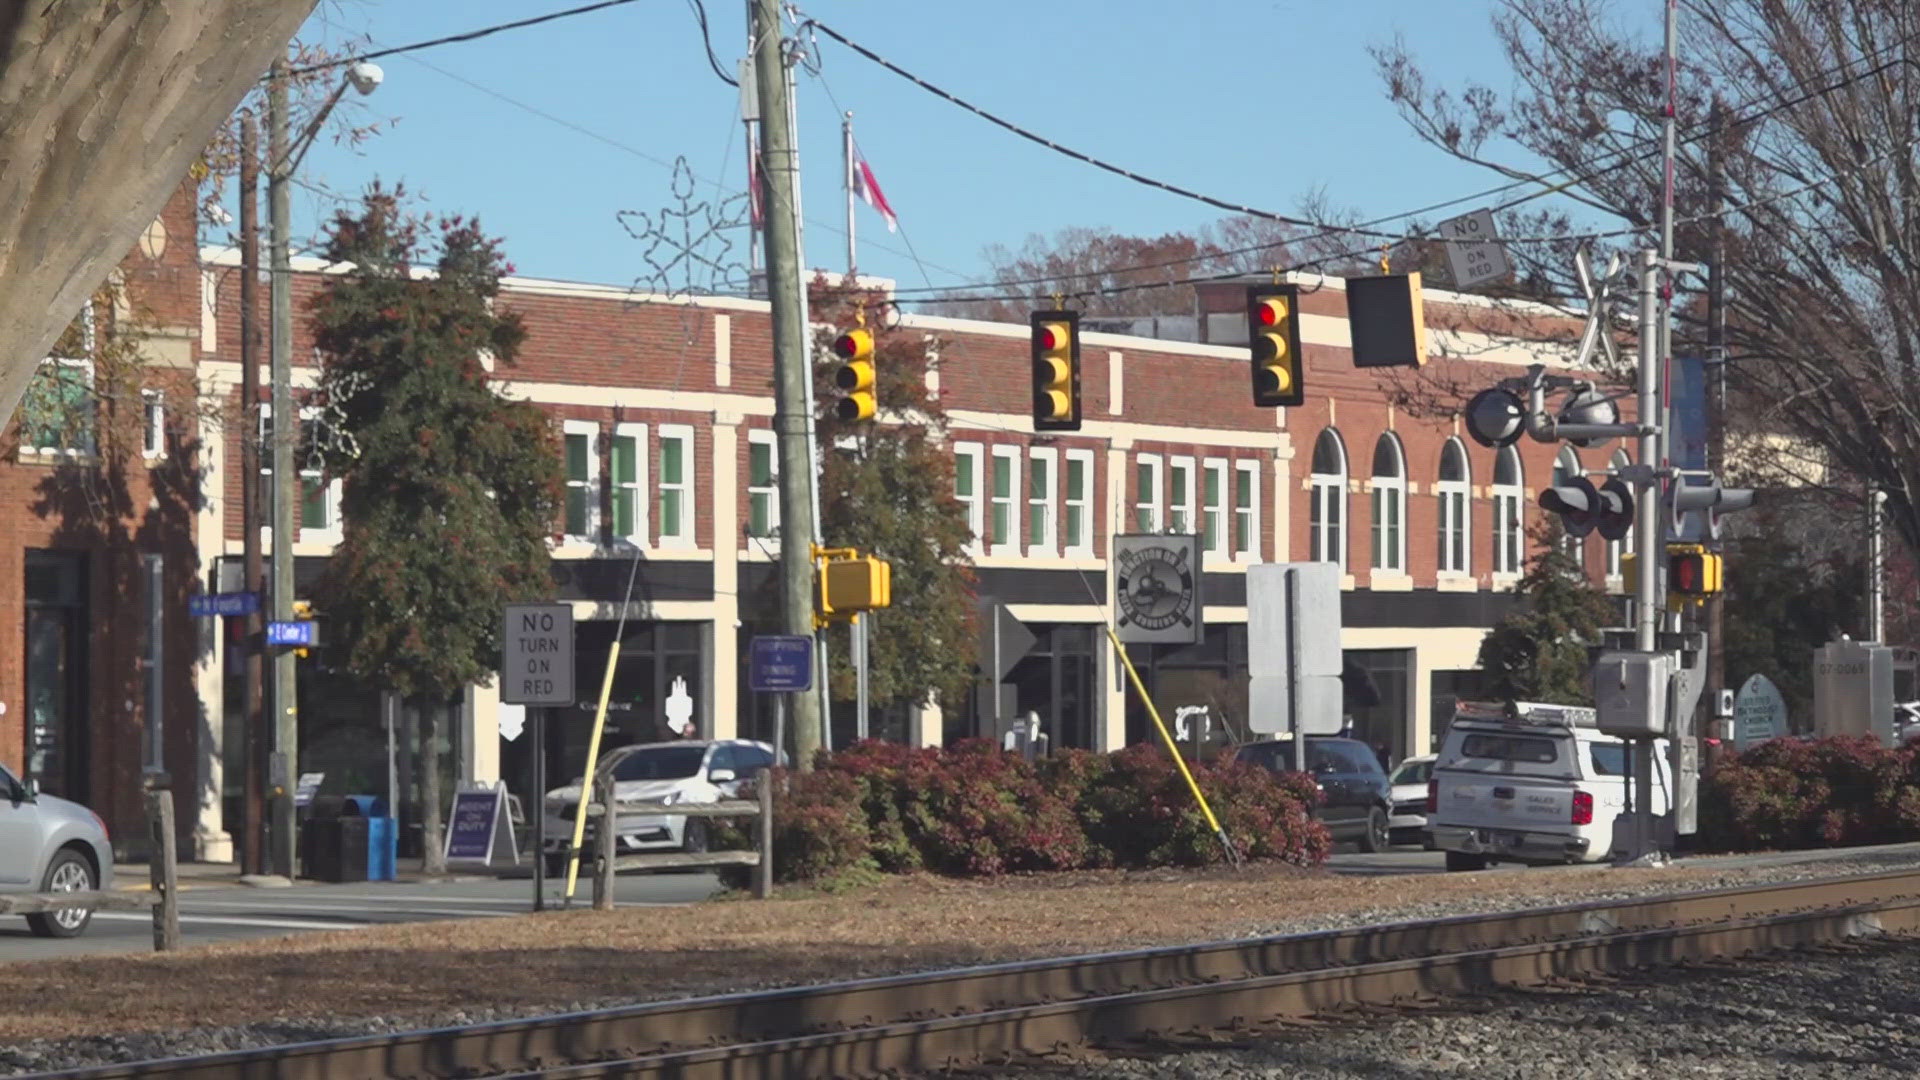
<point>689,249</point>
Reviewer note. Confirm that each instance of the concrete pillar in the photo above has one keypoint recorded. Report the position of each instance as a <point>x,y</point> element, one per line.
<point>481,738</point>
<point>926,726</point>
<point>724,657</point>
<point>211,842</point>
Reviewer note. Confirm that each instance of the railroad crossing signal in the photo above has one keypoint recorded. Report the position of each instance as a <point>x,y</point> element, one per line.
<point>1273,333</point>
<point>1584,508</point>
<point>854,377</point>
<point>1056,370</point>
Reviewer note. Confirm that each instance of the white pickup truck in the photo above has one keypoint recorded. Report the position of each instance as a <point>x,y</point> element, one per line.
<point>1532,783</point>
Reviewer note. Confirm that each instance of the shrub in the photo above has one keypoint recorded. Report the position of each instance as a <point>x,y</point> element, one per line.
<point>1797,793</point>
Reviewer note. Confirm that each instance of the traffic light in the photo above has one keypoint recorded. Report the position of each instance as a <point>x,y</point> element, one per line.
<point>854,377</point>
<point>1693,571</point>
<point>1387,321</point>
<point>1709,500</point>
<point>1584,508</point>
<point>1056,370</point>
<point>1273,332</point>
<point>303,612</point>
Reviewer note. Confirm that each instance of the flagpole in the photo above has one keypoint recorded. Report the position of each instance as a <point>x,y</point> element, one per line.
<point>846,130</point>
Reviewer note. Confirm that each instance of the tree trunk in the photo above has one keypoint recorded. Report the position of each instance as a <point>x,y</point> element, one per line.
<point>434,856</point>
<point>106,107</point>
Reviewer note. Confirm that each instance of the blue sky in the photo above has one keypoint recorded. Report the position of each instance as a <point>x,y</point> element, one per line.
<point>1257,102</point>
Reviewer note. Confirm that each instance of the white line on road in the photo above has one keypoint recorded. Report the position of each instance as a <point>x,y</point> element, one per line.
<point>238,920</point>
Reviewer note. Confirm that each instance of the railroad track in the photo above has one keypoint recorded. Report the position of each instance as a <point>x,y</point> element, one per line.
<point>935,1019</point>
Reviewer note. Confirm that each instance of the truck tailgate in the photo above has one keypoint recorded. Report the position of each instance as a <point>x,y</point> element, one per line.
<point>1493,801</point>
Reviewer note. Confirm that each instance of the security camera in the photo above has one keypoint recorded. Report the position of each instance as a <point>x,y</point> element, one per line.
<point>365,77</point>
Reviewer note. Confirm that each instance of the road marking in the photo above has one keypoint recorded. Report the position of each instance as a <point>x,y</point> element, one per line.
<point>238,920</point>
<point>395,912</point>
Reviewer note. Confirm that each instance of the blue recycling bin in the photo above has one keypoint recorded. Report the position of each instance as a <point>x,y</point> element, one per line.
<point>382,835</point>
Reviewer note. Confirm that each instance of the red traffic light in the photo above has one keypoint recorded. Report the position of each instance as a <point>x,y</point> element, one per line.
<point>1271,311</point>
<point>853,344</point>
<point>1051,336</point>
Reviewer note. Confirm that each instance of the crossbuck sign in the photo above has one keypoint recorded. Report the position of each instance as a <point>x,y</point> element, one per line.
<point>536,655</point>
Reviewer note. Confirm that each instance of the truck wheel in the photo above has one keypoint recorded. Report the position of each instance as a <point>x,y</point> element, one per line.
<point>1375,838</point>
<point>69,872</point>
<point>1460,860</point>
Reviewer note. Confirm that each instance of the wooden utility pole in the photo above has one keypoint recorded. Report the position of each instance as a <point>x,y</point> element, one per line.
<point>792,364</point>
<point>253,810</point>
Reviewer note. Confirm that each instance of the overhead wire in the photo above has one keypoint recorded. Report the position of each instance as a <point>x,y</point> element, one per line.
<point>454,39</point>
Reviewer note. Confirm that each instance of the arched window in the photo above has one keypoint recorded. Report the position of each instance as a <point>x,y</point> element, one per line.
<point>1616,548</point>
<point>1326,513</point>
<point>1455,489</point>
<point>1565,467</point>
<point>1389,506</point>
<point>1507,496</point>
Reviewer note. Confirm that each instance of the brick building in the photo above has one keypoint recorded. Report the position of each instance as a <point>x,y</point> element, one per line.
<point>665,407</point>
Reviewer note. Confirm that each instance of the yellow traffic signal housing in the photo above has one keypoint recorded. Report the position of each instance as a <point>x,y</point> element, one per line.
<point>854,377</point>
<point>1056,370</point>
<point>848,583</point>
<point>302,612</point>
<point>1693,571</point>
<point>1387,321</point>
<point>1273,333</point>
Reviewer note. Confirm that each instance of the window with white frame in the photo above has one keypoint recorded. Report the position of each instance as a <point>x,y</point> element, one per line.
<point>1213,506</point>
<point>1077,521</point>
<point>1043,500</point>
<point>1617,548</point>
<point>1003,499</point>
<point>153,424</point>
<point>1246,511</point>
<point>763,485</point>
<point>968,477</point>
<point>1146,497</point>
<point>1389,505</point>
<point>1507,523</point>
<point>57,410</point>
<point>1455,490</point>
<point>674,483</point>
<point>319,506</point>
<point>1327,508</point>
<point>627,462</point>
<point>583,474</point>
<point>1180,484</point>
<point>1566,466</point>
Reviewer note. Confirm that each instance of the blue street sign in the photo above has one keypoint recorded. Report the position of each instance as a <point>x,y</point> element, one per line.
<point>779,662</point>
<point>290,633</point>
<point>230,604</point>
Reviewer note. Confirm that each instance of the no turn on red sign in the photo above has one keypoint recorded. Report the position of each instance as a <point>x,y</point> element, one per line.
<point>536,655</point>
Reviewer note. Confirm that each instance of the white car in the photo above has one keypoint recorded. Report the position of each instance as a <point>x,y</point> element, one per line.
<point>668,773</point>
<point>1407,822</point>
<point>47,845</point>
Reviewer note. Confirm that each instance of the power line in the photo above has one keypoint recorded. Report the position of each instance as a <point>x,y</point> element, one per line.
<point>454,39</point>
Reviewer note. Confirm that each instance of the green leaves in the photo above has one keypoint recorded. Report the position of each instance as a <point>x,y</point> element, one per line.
<point>1539,652</point>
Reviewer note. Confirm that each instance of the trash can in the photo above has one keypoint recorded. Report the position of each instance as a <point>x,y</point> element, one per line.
<point>382,837</point>
<point>333,840</point>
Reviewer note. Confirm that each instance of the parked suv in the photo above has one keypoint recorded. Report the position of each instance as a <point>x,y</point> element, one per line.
<point>48,844</point>
<point>667,773</point>
<point>1355,798</point>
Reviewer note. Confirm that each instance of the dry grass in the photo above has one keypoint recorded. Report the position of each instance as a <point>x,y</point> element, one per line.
<point>529,961</point>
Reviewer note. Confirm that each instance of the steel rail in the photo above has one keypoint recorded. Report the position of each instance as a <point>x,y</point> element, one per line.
<point>729,1020</point>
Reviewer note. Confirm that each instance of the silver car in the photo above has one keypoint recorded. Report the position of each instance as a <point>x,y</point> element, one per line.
<point>48,844</point>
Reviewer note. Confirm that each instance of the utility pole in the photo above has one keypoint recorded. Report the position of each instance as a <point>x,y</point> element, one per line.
<point>1716,383</point>
<point>286,429</point>
<point>253,812</point>
<point>793,370</point>
<point>1876,581</point>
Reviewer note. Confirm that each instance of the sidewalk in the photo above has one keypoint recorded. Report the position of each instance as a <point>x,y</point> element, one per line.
<point>136,876</point>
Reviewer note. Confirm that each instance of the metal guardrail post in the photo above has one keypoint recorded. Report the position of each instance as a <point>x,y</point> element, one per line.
<point>604,845</point>
<point>763,873</point>
<point>162,869</point>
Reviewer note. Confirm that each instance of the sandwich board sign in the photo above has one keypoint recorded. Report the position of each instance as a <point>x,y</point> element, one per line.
<point>479,825</point>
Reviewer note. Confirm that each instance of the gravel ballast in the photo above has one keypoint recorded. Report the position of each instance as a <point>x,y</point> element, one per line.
<point>1829,1013</point>
<point>102,1010</point>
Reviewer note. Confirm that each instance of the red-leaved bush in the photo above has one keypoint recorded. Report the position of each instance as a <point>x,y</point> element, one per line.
<point>1801,793</point>
<point>973,809</point>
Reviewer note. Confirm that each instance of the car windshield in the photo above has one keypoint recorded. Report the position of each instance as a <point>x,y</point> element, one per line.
<point>1413,772</point>
<point>664,763</point>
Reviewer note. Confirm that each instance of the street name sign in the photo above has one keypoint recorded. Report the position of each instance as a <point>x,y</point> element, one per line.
<point>229,604</point>
<point>780,663</point>
<point>536,655</point>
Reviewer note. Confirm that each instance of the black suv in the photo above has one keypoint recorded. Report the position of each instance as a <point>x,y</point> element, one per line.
<point>1356,798</point>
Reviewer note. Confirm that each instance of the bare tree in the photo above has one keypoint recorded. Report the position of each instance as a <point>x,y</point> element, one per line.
<point>107,106</point>
<point>1816,145</point>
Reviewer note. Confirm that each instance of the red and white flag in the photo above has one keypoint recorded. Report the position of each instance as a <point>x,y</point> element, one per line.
<point>869,189</point>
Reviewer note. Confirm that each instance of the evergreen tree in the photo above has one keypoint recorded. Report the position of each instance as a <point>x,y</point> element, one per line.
<point>450,490</point>
<point>888,489</point>
<point>1539,651</point>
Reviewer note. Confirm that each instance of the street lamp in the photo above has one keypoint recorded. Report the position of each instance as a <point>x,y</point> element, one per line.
<point>282,159</point>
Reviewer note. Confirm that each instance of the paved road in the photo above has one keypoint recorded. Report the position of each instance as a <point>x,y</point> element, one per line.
<point>211,912</point>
